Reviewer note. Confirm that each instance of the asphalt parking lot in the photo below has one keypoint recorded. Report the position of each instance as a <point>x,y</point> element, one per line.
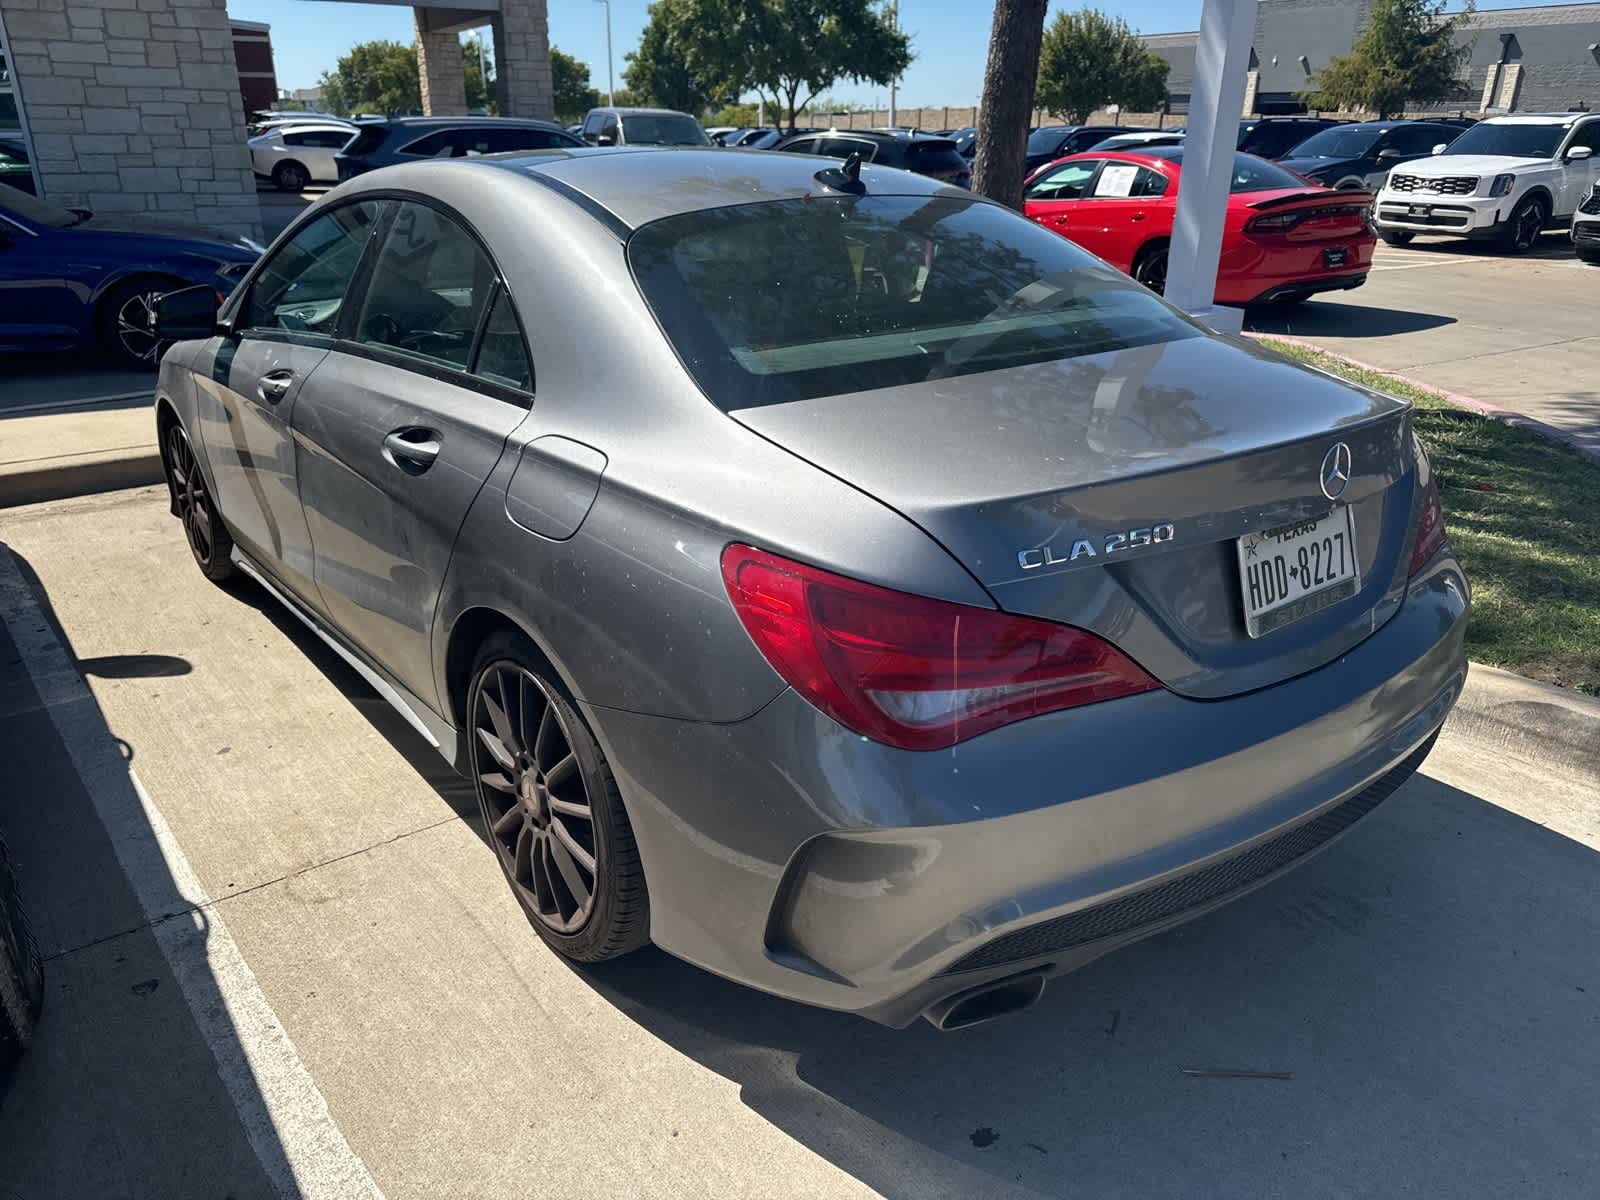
<point>282,961</point>
<point>1519,333</point>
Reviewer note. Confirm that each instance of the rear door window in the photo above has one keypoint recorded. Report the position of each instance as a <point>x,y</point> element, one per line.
<point>301,288</point>
<point>441,144</point>
<point>845,147</point>
<point>502,354</point>
<point>430,285</point>
<point>1120,180</point>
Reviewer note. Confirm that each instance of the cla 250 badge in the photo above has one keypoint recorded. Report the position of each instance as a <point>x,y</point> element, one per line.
<point>1115,543</point>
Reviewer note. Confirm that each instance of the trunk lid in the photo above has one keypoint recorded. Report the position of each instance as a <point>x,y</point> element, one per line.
<point>1214,437</point>
<point>1313,214</point>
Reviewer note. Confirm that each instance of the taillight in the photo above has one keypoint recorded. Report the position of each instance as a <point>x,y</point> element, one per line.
<point>1276,223</point>
<point>909,671</point>
<point>1430,528</point>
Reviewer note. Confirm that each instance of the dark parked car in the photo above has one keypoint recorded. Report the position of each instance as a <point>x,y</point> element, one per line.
<point>966,140</point>
<point>71,280</point>
<point>1273,137</point>
<point>923,153</point>
<point>642,127</point>
<point>15,169</point>
<point>1050,142</point>
<point>1358,157</point>
<point>902,607</point>
<point>405,139</point>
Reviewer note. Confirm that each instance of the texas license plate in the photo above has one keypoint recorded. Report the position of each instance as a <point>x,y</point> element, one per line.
<point>1335,256</point>
<point>1295,570</point>
<point>1421,210</point>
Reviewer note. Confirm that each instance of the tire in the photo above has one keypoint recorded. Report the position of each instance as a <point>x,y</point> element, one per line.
<point>1352,184</point>
<point>1150,267</point>
<point>1527,222</point>
<point>21,968</point>
<point>1588,255</point>
<point>536,768</point>
<point>1396,237</point>
<point>122,323</point>
<point>209,541</point>
<point>290,176</point>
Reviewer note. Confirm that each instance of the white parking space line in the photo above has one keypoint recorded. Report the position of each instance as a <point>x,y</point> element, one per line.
<point>281,1110</point>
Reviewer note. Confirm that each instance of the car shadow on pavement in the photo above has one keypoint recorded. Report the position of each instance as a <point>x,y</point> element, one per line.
<point>1343,320</point>
<point>1429,983</point>
<point>122,1091</point>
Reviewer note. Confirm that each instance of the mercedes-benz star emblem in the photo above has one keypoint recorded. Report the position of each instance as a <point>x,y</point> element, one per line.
<point>1336,471</point>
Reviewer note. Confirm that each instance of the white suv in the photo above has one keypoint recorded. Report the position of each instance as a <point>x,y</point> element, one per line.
<point>1507,178</point>
<point>1586,227</point>
<point>293,155</point>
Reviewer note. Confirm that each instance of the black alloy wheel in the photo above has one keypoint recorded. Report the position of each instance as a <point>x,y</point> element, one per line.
<point>1526,224</point>
<point>552,811</point>
<point>290,177</point>
<point>125,325</point>
<point>208,537</point>
<point>1151,269</point>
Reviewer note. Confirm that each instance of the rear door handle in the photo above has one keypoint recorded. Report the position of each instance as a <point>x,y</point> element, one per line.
<point>412,449</point>
<point>1137,217</point>
<point>1058,220</point>
<point>274,385</point>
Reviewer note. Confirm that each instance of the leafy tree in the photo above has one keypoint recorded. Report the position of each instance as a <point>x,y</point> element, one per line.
<point>1089,60</point>
<point>1008,86</point>
<point>1409,52</point>
<point>658,72</point>
<point>480,76</point>
<point>573,95</point>
<point>788,51</point>
<point>742,116</point>
<point>374,77</point>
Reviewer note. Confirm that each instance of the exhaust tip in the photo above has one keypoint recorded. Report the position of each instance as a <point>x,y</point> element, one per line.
<point>985,1003</point>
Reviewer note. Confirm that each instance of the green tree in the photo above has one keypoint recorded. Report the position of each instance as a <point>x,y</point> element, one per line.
<point>1089,60</point>
<point>378,77</point>
<point>480,76</point>
<point>788,51</point>
<point>1409,52</point>
<point>570,79</point>
<point>658,72</point>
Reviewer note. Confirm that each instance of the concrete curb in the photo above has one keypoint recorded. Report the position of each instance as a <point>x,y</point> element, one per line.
<point>1586,446</point>
<point>1537,723</point>
<point>63,452</point>
<point>80,475</point>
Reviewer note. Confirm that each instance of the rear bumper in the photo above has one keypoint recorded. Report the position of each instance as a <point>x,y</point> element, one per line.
<point>1253,272</point>
<point>1310,288</point>
<point>790,855</point>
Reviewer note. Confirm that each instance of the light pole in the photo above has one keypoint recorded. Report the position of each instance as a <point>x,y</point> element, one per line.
<point>894,23</point>
<point>611,96</point>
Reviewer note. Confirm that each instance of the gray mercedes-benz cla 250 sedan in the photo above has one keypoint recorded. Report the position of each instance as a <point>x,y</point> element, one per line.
<point>823,573</point>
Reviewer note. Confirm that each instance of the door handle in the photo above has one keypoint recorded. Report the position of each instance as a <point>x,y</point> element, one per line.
<point>1136,217</point>
<point>1058,220</point>
<point>274,385</point>
<point>412,449</point>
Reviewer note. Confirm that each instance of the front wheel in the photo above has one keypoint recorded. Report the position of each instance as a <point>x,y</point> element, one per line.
<point>1527,223</point>
<point>1150,268</point>
<point>551,808</point>
<point>1397,237</point>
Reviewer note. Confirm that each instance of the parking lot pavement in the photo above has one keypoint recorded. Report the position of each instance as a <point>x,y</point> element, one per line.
<point>345,950</point>
<point>280,208</point>
<point>1516,332</point>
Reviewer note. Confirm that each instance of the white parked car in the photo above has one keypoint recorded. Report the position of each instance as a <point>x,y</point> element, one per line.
<point>1586,227</point>
<point>293,156</point>
<point>1506,179</point>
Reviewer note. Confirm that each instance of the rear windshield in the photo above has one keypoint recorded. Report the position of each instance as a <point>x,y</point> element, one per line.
<point>1516,141</point>
<point>794,299</point>
<point>1043,141</point>
<point>1250,174</point>
<point>1338,143</point>
<point>367,140</point>
<point>928,157</point>
<point>663,130</point>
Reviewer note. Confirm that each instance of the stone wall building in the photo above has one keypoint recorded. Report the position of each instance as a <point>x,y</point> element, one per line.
<point>132,106</point>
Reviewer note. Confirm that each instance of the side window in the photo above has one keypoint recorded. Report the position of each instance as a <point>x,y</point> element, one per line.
<point>1587,135</point>
<point>441,144</point>
<point>802,146</point>
<point>611,129</point>
<point>429,286</point>
<point>523,139</point>
<point>297,139</point>
<point>1066,182</point>
<point>845,147</point>
<point>332,139</point>
<point>302,286</point>
<point>503,357</point>
<point>1120,180</point>
<point>1415,139</point>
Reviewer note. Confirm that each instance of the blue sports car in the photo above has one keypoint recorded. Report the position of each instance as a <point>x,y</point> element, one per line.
<point>70,280</point>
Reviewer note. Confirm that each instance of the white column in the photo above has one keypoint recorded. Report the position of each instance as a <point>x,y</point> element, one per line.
<point>1221,62</point>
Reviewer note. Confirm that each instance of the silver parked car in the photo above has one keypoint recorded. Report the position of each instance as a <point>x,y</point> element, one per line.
<point>824,573</point>
<point>294,155</point>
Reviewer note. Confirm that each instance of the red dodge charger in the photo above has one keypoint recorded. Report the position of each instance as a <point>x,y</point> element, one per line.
<point>1284,238</point>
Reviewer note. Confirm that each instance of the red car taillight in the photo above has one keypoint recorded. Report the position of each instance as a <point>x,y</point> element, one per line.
<point>909,671</point>
<point>1430,528</point>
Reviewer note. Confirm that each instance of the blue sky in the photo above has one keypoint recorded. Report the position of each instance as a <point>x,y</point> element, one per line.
<point>950,37</point>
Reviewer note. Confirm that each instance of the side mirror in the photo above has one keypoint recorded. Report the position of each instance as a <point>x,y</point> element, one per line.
<point>188,313</point>
<point>605,139</point>
<point>1579,153</point>
<point>1441,147</point>
<point>1391,155</point>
